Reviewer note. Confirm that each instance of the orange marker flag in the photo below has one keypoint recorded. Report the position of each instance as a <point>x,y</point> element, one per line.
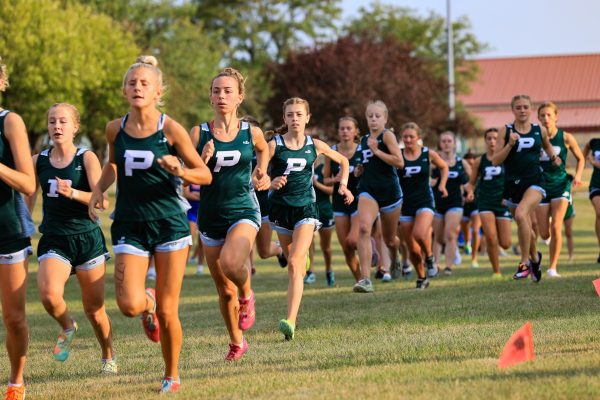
<point>518,349</point>
<point>597,285</point>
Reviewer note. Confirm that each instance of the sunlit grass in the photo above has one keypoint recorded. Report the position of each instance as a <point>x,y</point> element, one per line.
<point>396,343</point>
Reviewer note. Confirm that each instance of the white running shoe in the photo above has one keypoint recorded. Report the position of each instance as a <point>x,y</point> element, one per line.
<point>457,258</point>
<point>386,277</point>
<point>551,273</point>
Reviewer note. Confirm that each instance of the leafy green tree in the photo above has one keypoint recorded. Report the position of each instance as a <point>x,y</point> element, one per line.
<point>63,53</point>
<point>426,35</point>
<point>341,78</point>
<point>259,30</point>
<point>188,55</point>
<point>189,60</point>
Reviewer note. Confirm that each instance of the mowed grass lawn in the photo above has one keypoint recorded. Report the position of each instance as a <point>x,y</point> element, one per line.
<point>396,343</point>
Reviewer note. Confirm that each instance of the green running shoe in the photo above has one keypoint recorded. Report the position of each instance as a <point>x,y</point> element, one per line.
<point>63,343</point>
<point>287,329</point>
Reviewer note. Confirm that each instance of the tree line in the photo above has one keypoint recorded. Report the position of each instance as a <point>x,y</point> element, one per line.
<point>77,51</point>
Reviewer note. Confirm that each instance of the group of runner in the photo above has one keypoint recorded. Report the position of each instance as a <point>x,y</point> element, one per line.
<point>386,198</point>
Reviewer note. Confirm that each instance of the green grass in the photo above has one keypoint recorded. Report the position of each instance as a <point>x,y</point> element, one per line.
<point>396,343</point>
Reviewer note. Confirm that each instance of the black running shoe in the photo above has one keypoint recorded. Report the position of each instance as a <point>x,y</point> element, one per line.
<point>523,271</point>
<point>282,260</point>
<point>379,274</point>
<point>598,260</point>
<point>432,269</point>
<point>536,270</point>
<point>422,284</point>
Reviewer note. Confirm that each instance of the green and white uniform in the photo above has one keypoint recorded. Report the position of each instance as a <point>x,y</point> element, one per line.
<point>490,187</point>
<point>470,209</point>
<point>379,180</point>
<point>295,203</point>
<point>556,179</point>
<point>229,200</point>
<point>262,196</point>
<point>17,225</point>
<point>148,213</point>
<point>522,165</point>
<point>68,233</point>
<point>414,181</point>
<point>570,213</point>
<point>323,202</point>
<point>595,181</point>
<point>456,178</point>
<point>341,209</point>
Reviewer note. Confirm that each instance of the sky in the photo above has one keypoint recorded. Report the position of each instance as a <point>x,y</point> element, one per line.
<point>516,27</point>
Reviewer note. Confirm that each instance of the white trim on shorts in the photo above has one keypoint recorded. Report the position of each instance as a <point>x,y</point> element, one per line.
<point>450,210</point>
<point>495,216</point>
<point>344,214</point>
<point>408,218</point>
<point>210,242</point>
<point>130,249</point>
<point>86,266</point>
<point>305,221</point>
<point>166,247</point>
<point>467,218</point>
<point>383,210</point>
<point>174,245</point>
<point>538,188</point>
<point>16,257</point>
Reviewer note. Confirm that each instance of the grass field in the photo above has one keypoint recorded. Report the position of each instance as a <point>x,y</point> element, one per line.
<point>396,343</point>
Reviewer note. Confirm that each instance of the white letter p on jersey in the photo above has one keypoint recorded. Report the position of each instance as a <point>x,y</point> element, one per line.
<point>137,159</point>
<point>525,143</point>
<point>226,158</point>
<point>412,170</point>
<point>295,164</point>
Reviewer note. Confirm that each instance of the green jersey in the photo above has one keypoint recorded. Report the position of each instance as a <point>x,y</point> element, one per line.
<point>555,177</point>
<point>490,184</point>
<point>457,177</point>
<point>297,165</point>
<point>414,179</point>
<point>523,160</point>
<point>145,191</point>
<point>354,161</point>
<point>321,197</point>
<point>16,221</point>
<point>61,215</point>
<point>231,190</point>
<point>595,151</point>
<point>379,178</point>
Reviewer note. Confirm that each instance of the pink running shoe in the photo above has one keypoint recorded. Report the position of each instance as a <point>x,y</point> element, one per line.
<point>236,352</point>
<point>247,315</point>
<point>150,320</point>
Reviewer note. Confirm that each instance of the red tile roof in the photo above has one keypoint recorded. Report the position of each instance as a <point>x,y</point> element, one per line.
<point>571,81</point>
<point>570,119</point>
